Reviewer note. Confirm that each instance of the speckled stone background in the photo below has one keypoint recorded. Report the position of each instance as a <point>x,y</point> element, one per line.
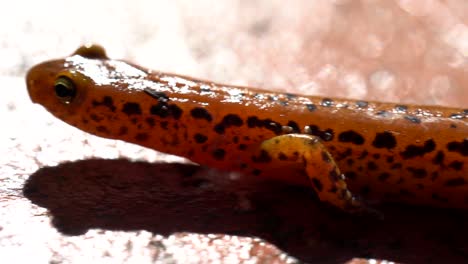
<point>68,197</point>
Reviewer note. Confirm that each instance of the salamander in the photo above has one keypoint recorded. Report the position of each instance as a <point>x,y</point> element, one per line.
<point>341,148</point>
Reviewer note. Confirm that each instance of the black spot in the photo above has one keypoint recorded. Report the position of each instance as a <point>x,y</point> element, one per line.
<point>150,121</point>
<point>134,120</point>
<point>453,126</point>
<point>219,154</point>
<point>363,155</point>
<point>455,182</point>
<point>317,184</point>
<point>351,175</point>
<point>384,140</point>
<point>396,166</point>
<point>256,172</point>
<point>102,129</point>
<point>417,173</point>
<point>228,121</point>
<point>107,102</point>
<point>439,158</point>
<point>325,135</point>
<point>412,151</point>
<point>413,119</point>
<point>376,156</point>
<point>282,156</point>
<point>253,121</point>
<point>131,108</point>
<point>362,104</point>
<point>460,147</point>
<point>456,165</point>
<point>163,109</point>
<point>294,126</point>
<point>390,159</point>
<point>200,138</point>
<point>96,118</point>
<point>365,190</point>
<point>311,107</point>
<point>350,162</point>
<point>351,136</point>
<point>383,176</point>
<point>242,147</point>
<point>372,166</point>
<point>327,102</point>
<point>437,197</point>
<point>401,108</point>
<point>264,157</point>
<point>141,136</point>
<point>201,113</point>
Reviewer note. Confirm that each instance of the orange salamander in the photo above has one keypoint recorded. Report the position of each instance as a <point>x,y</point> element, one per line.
<point>381,151</point>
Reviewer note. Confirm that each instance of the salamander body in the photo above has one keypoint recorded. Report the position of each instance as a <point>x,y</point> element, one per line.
<point>383,151</point>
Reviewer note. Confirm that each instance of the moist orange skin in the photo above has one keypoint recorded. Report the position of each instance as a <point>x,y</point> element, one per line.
<point>388,152</point>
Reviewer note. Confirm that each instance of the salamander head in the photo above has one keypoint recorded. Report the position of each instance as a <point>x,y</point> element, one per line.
<point>73,88</point>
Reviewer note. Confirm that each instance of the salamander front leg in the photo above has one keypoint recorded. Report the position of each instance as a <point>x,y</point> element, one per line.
<point>327,180</point>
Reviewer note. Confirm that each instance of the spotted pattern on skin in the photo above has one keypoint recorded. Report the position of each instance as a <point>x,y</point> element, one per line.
<point>263,157</point>
<point>253,121</point>
<point>384,140</point>
<point>325,135</point>
<point>457,182</point>
<point>106,101</point>
<point>200,138</point>
<point>378,155</point>
<point>460,147</point>
<point>372,166</point>
<point>351,136</point>
<point>163,110</point>
<point>456,165</point>
<point>412,151</point>
<point>384,176</point>
<point>131,108</point>
<point>294,126</point>
<point>230,120</point>
<point>219,154</point>
<point>439,158</point>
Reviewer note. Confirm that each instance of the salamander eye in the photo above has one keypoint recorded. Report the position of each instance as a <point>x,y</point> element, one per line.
<point>65,89</point>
